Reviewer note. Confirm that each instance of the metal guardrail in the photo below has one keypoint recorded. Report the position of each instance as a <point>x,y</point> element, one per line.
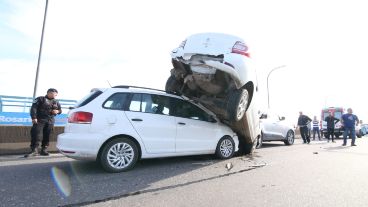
<point>14,103</point>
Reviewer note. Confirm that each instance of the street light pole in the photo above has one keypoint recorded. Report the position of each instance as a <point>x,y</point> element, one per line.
<point>40,51</point>
<point>268,93</point>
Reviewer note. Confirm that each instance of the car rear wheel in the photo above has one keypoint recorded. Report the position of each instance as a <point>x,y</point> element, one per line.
<point>119,155</point>
<point>237,104</point>
<point>225,148</point>
<point>289,138</point>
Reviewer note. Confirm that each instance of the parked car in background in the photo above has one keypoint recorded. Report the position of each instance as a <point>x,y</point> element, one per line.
<point>364,128</point>
<point>275,128</point>
<point>359,131</point>
<point>118,126</point>
<point>215,70</point>
<point>337,113</point>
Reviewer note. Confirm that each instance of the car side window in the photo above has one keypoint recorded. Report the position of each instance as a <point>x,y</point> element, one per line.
<point>135,103</point>
<point>116,101</point>
<point>188,110</point>
<point>149,103</point>
<point>155,104</point>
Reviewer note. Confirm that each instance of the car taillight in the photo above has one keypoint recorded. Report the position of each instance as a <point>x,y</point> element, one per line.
<point>80,117</point>
<point>240,48</point>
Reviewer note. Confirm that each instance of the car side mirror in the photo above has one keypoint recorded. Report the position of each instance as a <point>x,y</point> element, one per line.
<point>263,116</point>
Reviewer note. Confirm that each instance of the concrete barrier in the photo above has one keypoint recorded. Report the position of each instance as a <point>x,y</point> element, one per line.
<point>16,139</point>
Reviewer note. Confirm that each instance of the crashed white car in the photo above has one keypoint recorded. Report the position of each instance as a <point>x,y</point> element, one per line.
<point>215,70</point>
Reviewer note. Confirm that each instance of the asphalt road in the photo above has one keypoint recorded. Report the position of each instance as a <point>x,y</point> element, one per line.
<point>318,174</point>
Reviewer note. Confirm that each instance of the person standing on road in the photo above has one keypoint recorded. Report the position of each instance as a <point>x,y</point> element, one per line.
<point>303,122</point>
<point>43,111</point>
<point>331,121</point>
<point>316,128</point>
<point>349,121</point>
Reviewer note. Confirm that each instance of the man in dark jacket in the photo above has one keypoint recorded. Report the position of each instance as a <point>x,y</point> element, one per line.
<point>331,121</point>
<point>43,111</point>
<point>303,122</point>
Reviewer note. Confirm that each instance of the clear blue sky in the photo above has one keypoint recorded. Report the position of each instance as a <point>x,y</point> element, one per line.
<point>89,43</point>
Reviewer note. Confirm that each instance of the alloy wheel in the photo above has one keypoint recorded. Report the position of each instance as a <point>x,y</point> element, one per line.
<point>120,155</point>
<point>242,106</point>
<point>226,148</point>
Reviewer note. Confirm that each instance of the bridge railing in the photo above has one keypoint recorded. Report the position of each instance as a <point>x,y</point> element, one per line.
<point>23,104</point>
<point>14,110</point>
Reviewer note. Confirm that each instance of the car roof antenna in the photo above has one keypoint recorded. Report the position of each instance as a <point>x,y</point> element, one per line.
<point>109,83</point>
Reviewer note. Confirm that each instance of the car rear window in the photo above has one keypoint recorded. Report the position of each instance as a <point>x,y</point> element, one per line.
<point>88,98</point>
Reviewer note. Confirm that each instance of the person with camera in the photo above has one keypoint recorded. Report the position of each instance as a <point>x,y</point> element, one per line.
<point>43,111</point>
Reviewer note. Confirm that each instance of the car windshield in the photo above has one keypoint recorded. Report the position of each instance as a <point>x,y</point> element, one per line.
<point>337,114</point>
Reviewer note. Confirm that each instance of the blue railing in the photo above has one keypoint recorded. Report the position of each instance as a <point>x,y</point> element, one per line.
<point>14,110</point>
<point>23,104</point>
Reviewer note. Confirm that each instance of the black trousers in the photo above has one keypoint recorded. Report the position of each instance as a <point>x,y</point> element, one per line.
<point>46,129</point>
<point>304,134</point>
<point>330,131</point>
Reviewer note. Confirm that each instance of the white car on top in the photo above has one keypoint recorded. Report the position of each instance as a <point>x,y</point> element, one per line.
<point>215,70</point>
<point>118,126</point>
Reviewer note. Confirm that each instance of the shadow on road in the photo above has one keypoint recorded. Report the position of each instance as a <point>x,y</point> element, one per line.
<point>273,144</point>
<point>70,183</point>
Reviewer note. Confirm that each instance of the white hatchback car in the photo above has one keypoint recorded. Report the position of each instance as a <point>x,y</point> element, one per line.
<point>118,126</point>
<point>275,128</point>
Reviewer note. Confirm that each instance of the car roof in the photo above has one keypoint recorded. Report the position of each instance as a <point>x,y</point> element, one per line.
<point>139,89</point>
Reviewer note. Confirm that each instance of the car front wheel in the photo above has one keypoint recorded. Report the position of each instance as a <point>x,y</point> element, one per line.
<point>225,148</point>
<point>119,155</point>
<point>289,138</point>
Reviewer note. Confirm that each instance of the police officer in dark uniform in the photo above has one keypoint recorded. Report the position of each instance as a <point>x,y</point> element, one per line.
<point>43,111</point>
<point>303,122</point>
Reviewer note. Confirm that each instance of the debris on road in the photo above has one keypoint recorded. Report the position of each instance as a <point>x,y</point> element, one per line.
<point>229,166</point>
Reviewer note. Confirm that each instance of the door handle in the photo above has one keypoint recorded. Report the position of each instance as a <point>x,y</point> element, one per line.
<point>181,123</point>
<point>137,120</point>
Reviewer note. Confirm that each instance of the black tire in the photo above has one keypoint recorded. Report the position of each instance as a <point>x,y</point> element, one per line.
<point>337,135</point>
<point>246,144</point>
<point>248,148</point>
<point>237,105</point>
<point>225,148</point>
<point>290,137</point>
<point>259,141</point>
<point>173,85</point>
<point>124,145</point>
